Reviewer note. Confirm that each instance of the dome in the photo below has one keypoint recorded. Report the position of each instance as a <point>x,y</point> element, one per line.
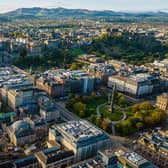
<point>20,125</point>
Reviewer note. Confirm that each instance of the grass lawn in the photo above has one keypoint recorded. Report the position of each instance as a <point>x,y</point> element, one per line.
<point>112,116</point>
<point>94,102</point>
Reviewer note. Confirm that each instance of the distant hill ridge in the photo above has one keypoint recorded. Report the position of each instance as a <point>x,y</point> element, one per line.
<point>58,13</point>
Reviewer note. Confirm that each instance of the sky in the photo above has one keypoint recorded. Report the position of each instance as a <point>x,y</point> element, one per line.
<point>116,5</point>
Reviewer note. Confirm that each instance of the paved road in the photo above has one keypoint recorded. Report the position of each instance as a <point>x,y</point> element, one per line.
<point>66,114</point>
<point>118,140</point>
<point>98,109</point>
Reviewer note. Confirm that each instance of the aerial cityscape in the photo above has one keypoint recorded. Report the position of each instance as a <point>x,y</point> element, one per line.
<point>83,84</point>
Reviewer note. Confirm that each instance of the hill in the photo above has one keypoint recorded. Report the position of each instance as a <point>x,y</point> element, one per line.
<point>37,13</point>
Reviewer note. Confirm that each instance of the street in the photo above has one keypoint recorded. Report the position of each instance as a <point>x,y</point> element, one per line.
<point>66,114</point>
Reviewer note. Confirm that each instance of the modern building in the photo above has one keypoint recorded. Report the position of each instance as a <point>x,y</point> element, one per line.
<point>130,159</point>
<point>58,83</point>
<point>134,85</point>
<point>12,78</point>
<point>81,137</point>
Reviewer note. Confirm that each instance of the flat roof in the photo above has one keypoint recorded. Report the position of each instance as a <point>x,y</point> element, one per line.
<point>79,131</point>
<point>134,158</point>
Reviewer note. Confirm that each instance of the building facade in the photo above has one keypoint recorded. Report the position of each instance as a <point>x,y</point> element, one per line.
<point>81,137</point>
<point>162,101</point>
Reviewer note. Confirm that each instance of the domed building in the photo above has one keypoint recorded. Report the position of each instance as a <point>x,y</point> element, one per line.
<point>21,133</point>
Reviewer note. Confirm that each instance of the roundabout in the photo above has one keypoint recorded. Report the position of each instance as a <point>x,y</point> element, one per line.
<point>114,117</point>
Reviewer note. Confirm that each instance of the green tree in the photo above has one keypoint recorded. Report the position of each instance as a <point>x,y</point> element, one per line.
<point>82,113</point>
<point>98,121</point>
<point>74,66</point>
<point>146,106</point>
<point>79,107</point>
<point>22,52</point>
<point>139,125</point>
<point>122,101</point>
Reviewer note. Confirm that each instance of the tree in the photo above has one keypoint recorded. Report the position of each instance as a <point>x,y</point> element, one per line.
<point>71,95</point>
<point>121,101</point>
<point>146,106</point>
<point>93,94</point>
<point>139,125</point>
<point>79,107</point>
<point>103,92</point>
<point>70,103</point>
<point>125,127</point>
<point>158,116</point>
<point>135,108</point>
<point>85,99</point>
<point>74,66</point>
<point>149,121</point>
<point>105,125</point>
<point>139,115</point>
<point>166,55</point>
<point>93,119</point>
<point>82,113</point>
<point>22,52</point>
<point>98,121</point>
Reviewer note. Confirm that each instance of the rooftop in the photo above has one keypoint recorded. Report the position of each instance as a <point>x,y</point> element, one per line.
<point>133,159</point>
<point>26,161</point>
<point>91,163</point>
<point>157,137</point>
<point>79,131</point>
<point>12,76</point>
<point>165,95</point>
<point>53,154</point>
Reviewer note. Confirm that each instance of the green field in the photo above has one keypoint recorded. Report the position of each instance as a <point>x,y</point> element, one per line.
<point>112,116</point>
<point>93,103</point>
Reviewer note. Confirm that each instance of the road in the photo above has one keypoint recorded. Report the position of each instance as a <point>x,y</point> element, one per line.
<point>66,114</point>
<point>113,123</point>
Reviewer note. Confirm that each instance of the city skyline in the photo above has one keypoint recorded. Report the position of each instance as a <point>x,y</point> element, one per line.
<point>119,5</point>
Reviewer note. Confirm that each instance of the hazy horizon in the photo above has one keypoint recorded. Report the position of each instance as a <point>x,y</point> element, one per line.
<point>115,5</point>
